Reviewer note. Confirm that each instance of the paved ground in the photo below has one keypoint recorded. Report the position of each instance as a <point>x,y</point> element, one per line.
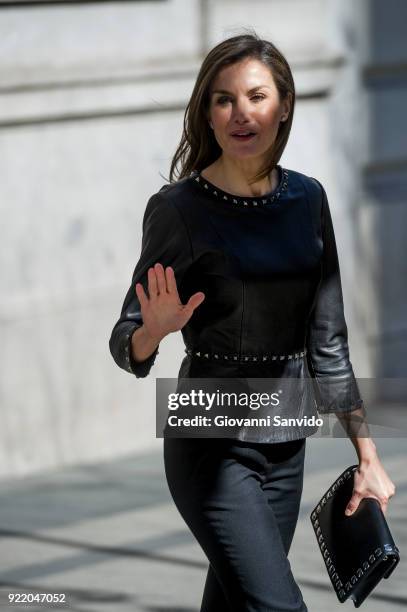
<point>109,536</point>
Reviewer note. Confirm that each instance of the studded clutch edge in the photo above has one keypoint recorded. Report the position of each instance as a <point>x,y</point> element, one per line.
<point>374,564</point>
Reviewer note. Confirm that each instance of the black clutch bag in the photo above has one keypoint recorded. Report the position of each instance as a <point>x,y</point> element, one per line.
<point>358,550</point>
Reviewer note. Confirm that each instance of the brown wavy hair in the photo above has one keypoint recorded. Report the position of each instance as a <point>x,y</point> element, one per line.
<point>198,147</point>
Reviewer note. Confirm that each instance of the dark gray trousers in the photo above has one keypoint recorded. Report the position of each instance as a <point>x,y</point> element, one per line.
<point>241,502</point>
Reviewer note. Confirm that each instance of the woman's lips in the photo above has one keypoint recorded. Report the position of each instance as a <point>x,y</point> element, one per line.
<point>243,138</point>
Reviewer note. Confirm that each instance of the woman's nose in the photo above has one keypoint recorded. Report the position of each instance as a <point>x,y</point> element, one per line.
<point>241,109</point>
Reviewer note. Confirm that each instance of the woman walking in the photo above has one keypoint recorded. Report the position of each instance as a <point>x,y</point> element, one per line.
<point>239,254</point>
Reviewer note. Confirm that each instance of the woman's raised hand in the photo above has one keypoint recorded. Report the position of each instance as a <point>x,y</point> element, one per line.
<point>162,312</point>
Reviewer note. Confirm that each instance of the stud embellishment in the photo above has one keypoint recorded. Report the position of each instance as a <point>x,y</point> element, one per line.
<point>244,200</point>
<point>242,357</point>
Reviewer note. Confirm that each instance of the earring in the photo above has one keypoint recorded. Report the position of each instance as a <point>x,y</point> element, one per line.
<point>210,123</point>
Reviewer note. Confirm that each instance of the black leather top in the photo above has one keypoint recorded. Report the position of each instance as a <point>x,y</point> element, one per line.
<point>269,269</point>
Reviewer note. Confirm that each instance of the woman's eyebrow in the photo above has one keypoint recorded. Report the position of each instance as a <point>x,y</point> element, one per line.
<point>224,91</point>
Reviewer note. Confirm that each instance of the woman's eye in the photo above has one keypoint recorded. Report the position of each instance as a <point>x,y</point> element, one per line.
<point>224,99</point>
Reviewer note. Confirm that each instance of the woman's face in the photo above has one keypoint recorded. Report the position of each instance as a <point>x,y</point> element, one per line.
<point>244,98</point>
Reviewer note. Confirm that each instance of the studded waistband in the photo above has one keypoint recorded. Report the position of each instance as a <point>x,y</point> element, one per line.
<point>202,354</point>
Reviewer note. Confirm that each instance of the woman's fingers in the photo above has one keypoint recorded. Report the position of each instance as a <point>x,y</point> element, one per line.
<point>171,280</point>
<point>353,503</point>
<point>195,300</point>
<point>164,311</point>
<point>152,283</point>
<point>142,298</point>
<point>161,282</point>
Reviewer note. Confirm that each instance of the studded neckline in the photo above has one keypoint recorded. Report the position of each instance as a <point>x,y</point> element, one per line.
<point>248,201</point>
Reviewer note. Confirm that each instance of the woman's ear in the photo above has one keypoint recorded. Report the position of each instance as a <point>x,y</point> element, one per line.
<point>287,105</point>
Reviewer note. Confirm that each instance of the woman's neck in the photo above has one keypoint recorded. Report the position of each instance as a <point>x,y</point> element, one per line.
<point>234,180</point>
